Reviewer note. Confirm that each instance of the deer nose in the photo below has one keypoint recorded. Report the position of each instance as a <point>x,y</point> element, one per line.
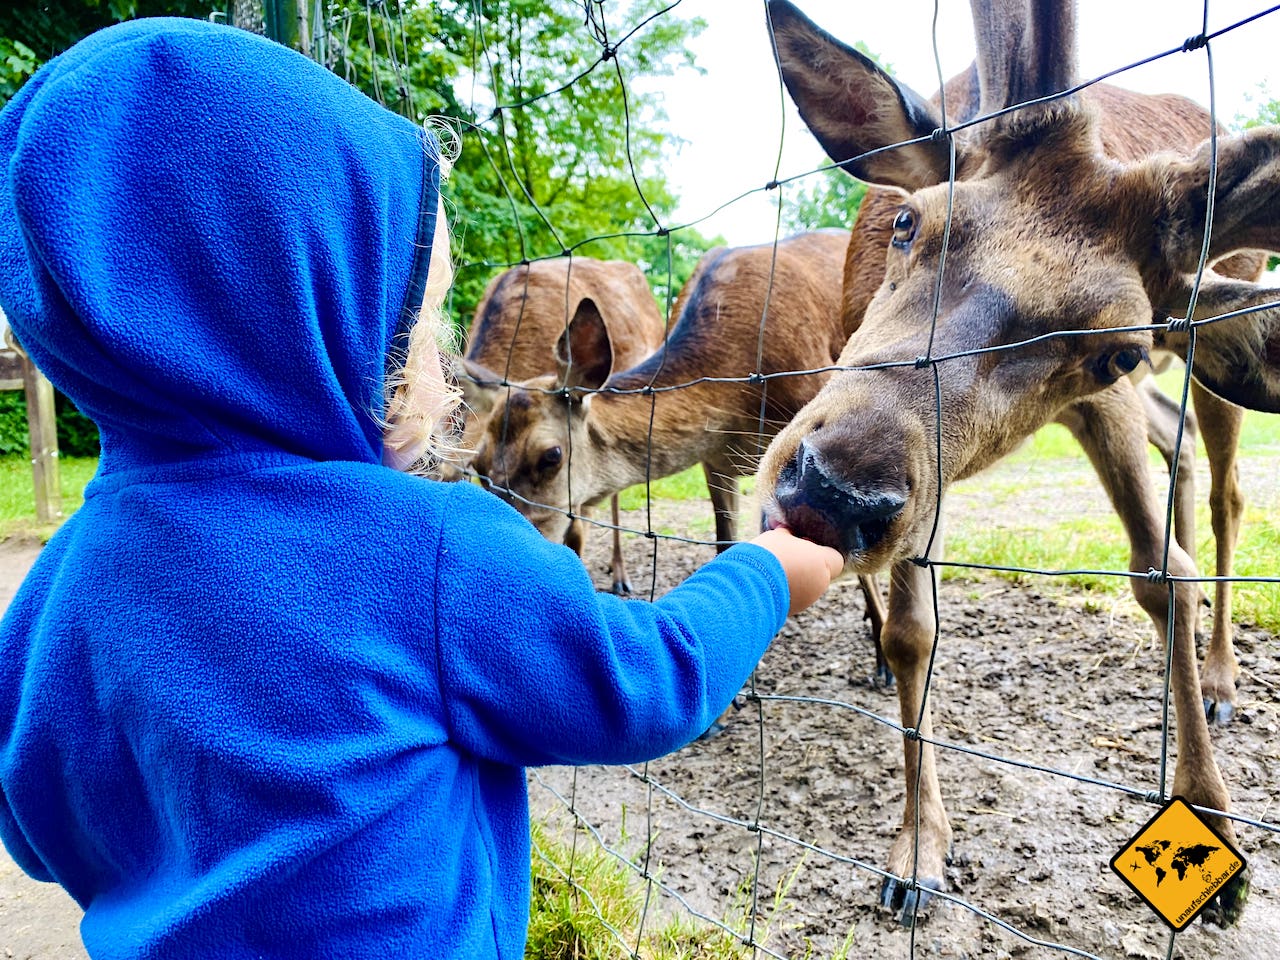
<point>850,516</point>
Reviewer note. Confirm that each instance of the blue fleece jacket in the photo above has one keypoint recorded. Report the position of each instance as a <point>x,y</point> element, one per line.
<point>262,696</point>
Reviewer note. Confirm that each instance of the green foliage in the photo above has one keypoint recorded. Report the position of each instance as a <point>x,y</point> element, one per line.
<point>561,150</point>
<point>829,198</point>
<point>77,435</point>
<point>33,31</point>
<point>13,423</point>
<point>17,63</point>
<point>584,919</point>
<point>17,494</point>
<point>1266,114</point>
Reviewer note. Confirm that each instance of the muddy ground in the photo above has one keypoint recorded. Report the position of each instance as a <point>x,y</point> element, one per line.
<point>1033,672</point>
<point>1030,672</point>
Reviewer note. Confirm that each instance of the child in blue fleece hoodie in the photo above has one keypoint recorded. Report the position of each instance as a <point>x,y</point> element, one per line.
<point>264,695</point>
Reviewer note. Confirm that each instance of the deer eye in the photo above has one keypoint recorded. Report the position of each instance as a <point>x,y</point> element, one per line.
<point>1111,366</point>
<point>904,228</point>
<point>550,458</point>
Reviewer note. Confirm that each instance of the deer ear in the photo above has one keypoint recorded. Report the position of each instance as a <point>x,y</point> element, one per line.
<point>1246,211</point>
<point>1237,358</point>
<point>853,107</point>
<point>584,355</point>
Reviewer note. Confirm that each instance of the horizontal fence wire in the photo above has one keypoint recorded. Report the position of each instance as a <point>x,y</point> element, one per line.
<point>611,39</point>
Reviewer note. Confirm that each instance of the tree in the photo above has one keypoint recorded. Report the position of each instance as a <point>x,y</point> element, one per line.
<point>828,198</point>
<point>33,31</point>
<point>561,152</point>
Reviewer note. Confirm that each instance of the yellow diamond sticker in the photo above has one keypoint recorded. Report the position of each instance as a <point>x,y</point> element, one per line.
<point>1176,863</point>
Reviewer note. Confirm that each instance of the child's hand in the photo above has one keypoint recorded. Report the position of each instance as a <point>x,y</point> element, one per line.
<point>809,567</point>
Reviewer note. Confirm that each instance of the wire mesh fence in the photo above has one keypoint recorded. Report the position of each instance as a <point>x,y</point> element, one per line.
<point>768,823</point>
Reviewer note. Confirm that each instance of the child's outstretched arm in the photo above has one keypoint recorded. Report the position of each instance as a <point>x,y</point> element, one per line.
<point>537,667</point>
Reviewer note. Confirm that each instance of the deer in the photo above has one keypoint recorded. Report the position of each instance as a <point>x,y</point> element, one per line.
<point>1072,236</point>
<point>513,337</point>
<point>557,444</point>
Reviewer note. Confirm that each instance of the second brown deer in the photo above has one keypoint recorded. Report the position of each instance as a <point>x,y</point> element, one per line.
<point>513,337</point>
<point>750,321</point>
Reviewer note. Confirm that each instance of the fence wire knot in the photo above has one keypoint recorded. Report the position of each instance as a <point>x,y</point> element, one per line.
<point>1153,796</point>
<point>1195,43</point>
<point>922,362</point>
<point>939,134</point>
<point>608,53</point>
<point>1179,324</point>
<point>772,185</point>
<point>1157,576</point>
<point>911,733</point>
<point>755,379</point>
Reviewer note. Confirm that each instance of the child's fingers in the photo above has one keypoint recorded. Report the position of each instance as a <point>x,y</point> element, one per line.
<point>809,567</point>
<point>834,560</point>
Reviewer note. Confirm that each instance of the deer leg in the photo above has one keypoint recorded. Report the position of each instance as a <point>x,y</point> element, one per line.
<point>875,615</point>
<point>722,485</point>
<point>1221,423</point>
<point>1162,431</point>
<point>1163,415</point>
<point>621,583</point>
<point>1112,433</point>
<point>924,842</point>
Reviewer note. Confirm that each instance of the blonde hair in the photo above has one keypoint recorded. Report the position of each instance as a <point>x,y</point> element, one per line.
<point>420,401</point>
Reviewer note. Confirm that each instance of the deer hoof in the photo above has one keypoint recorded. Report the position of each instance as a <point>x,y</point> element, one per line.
<point>898,895</point>
<point>883,677</point>
<point>622,588</point>
<point>1218,712</point>
<point>1225,909</point>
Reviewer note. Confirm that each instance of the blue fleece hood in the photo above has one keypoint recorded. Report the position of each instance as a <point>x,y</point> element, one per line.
<point>205,282</point>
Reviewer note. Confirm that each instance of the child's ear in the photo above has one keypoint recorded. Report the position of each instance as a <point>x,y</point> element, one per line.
<point>478,385</point>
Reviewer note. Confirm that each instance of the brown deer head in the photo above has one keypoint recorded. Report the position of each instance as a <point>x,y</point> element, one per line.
<point>528,440</point>
<point>1041,240</point>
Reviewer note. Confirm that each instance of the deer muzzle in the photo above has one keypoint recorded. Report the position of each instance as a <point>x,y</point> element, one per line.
<point>816,503</point>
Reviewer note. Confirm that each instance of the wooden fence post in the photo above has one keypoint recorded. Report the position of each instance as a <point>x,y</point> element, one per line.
<point>17,372</point>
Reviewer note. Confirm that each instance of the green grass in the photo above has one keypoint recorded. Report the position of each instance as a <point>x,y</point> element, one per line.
<point>690,484</point>
<point>587,905</point>
<point>17,495</point>
<point>1012,534</point>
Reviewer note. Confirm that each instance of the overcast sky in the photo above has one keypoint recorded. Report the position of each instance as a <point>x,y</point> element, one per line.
<point>731,116</point>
